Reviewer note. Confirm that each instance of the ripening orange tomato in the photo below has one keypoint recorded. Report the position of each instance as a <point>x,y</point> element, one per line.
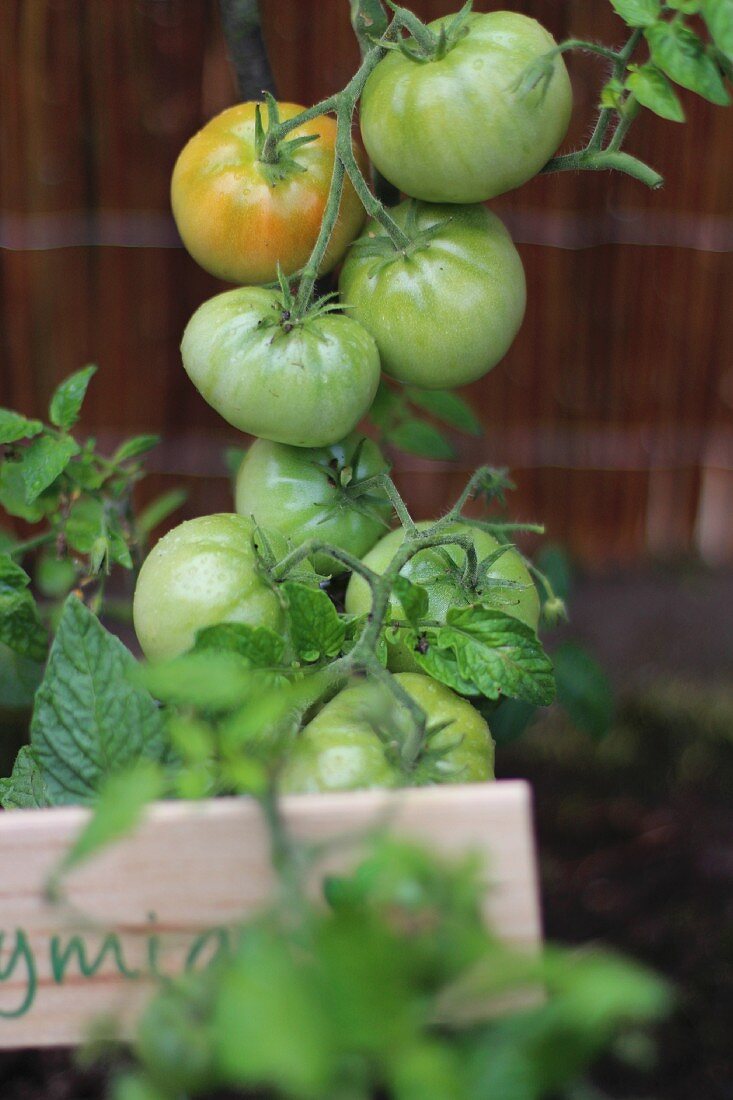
<point>239,217</point>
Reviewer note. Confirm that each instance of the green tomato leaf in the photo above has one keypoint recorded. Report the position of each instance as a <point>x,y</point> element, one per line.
<point>413,597</point>
<point>386,407</point>
<point>25,789</point>
<point>13,426</point>
<point>482,651</point>
<point>133,448</point>
<point>209,679</point>
<point>20,626</point>
<point>45,459</point>
<point>718,15</point>
<point>447,407</point>
<point>418,438</point>
<point>509,720</point>
<point>316,630</point>
<point>67,400</point>
<point>160,509</point>
<point>12,494</point>
<point>638,13</point>
<point>654,91</point>
<point>612,94</point>
<point>118,809</point>
<point>683,57</point>
<point>91,719</point>
<point>689,7</point>
<point>583,689</point>
<point>260,647</point>
<point>369,21</point>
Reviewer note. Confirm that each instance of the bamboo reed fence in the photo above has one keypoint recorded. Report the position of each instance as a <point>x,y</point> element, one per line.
<point>615,406</point>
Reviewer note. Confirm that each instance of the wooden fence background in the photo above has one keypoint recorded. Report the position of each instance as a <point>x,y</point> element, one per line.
<point>614,407</point>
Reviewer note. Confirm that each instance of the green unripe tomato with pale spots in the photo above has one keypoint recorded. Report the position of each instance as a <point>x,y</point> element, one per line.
<point>461,127</point>
<point>445,310</point>
<point>307,383</point>
<point>440,571</point>
<point>204,571</point>
<point>313,494</point>
<point>352,743</point>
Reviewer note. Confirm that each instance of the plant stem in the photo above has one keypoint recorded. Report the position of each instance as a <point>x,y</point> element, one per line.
<point>22,548</point>
<point>385,482</point>
<point>604,161</point>
<point>312,267</point>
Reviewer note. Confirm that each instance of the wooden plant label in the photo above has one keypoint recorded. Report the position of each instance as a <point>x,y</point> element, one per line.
<point>164,900</point>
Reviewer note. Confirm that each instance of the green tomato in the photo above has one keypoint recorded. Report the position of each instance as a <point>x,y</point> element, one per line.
<point>204,571</point>
<point>351,743</point>
<point>307,384</point>
<point>440,572</point>
<point>459,128</point>
<point>313,494</point>
<point>446,310</point>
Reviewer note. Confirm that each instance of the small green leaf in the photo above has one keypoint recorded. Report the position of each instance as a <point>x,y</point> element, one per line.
<point>160,509</point>
<point>638,13</point>
<point>510,720</point>
<point>133,448</point>
<point>418,438</point>
<point>118,809</point>
<point>20,626</point>
<point>368,19</point>
<point>689,7</point>
<point>67,400</point>
<point>482,651</point>
<point>612,94</point>
<point>25,789</point>
<point>45,459</point>
<point>12,494</point>
<point>386,407</point>
<point>261,648</point>
<point>412,597</point>
<point>447,407</point>
<point>209,679</point>
<point>13,426</point>
<point>682,56</point>
<point>315,628</point>
<point>584,690</point>
<point>718,15</point>
<point>654,91</point>
<point>90,718</point>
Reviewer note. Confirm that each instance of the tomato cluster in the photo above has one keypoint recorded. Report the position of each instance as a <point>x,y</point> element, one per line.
<point>433,294</point>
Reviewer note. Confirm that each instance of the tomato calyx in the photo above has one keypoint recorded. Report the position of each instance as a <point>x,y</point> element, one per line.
<point>285,315</point>
<point>281,163</point>
<point>350,492</point>
<point>383,248</point>
<point>423,44</point>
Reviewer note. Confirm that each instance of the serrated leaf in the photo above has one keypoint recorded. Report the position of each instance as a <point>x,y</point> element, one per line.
<point>682,56</point>
<point>261,647</point>
<point>20,626</point>
<point>13,426</point>
<point>91,719</point>
<point>447,407</point>
<point>718,15</point>
<point>487,652</point>
<point>12,494</point>
<point>25,789</point>
<point>418,438</point>
<point>412,597</point>
<point>118,809</point>
<point>638,13</point>
<point>654,91</point>
<point>133,448</point>
<point>584,690</point>
<point>315,628</point>
<point>67,400</point>
<point>45,459</point>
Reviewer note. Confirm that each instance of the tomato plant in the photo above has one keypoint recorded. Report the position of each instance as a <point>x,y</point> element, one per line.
<point>354,741</point>
<point>442,119</point>
<point>240,216</point>
<point>305,382</point>
<point>204,571</point>
<point>445,309</point>
<point>501,581</point>
<point>316,494</point>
